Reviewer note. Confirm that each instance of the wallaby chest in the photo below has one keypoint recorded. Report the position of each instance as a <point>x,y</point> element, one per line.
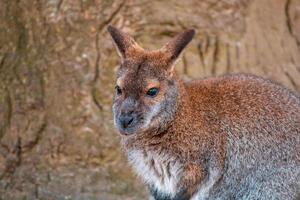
<point>159,170</point>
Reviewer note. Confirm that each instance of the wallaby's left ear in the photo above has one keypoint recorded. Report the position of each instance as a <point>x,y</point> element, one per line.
<point>177,44</point>
<point>124,42</point>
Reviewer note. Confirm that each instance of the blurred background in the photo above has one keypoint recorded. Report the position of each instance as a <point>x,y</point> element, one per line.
<point>57,65</point>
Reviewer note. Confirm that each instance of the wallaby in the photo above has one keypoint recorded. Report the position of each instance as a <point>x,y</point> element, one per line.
<point>230,137</point>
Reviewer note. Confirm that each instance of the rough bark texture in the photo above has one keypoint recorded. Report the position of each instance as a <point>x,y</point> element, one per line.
<point>57,66</point>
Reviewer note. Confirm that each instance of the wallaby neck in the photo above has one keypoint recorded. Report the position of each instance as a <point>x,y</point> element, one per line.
<point>183,105</point>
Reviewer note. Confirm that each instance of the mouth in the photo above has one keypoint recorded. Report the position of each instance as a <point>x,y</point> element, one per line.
<point>126,131</point>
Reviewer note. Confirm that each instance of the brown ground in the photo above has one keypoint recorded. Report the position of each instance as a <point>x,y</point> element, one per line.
<point>57,66</point>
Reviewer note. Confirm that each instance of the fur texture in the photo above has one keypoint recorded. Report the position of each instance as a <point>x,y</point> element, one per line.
<point>228,137</point>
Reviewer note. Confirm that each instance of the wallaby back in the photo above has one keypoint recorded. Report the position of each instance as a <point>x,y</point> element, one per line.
<point>261,124</point>
<point>228,137</point>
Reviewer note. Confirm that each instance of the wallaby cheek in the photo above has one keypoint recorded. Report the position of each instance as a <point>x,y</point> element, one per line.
<point>152,113</point>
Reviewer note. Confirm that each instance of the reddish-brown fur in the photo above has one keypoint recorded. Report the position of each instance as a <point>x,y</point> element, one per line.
<point>221,128</point>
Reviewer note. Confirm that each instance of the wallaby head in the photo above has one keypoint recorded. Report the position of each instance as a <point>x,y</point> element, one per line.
<point>146,87</point>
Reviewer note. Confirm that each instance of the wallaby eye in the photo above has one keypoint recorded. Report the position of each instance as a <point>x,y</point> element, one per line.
<point>118,90</point>
<point>152,92</point>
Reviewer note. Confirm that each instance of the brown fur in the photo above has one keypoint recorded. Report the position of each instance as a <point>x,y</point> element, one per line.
<point>196,134</point>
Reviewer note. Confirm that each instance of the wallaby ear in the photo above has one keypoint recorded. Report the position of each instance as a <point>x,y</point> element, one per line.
<point>177,44</point>
<point>123,41</point>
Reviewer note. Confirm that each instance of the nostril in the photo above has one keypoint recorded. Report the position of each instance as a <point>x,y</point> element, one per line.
<point>126,121</point>
<point>129,122</point>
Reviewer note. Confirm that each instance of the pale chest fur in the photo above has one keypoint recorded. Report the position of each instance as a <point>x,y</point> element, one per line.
<point>157,169</point>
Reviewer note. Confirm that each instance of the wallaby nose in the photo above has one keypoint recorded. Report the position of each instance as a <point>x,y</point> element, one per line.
<point>126,120</point>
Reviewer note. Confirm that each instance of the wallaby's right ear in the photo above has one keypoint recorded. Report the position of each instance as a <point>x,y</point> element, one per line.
<point>123,41</point>
<point>174,48</point>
